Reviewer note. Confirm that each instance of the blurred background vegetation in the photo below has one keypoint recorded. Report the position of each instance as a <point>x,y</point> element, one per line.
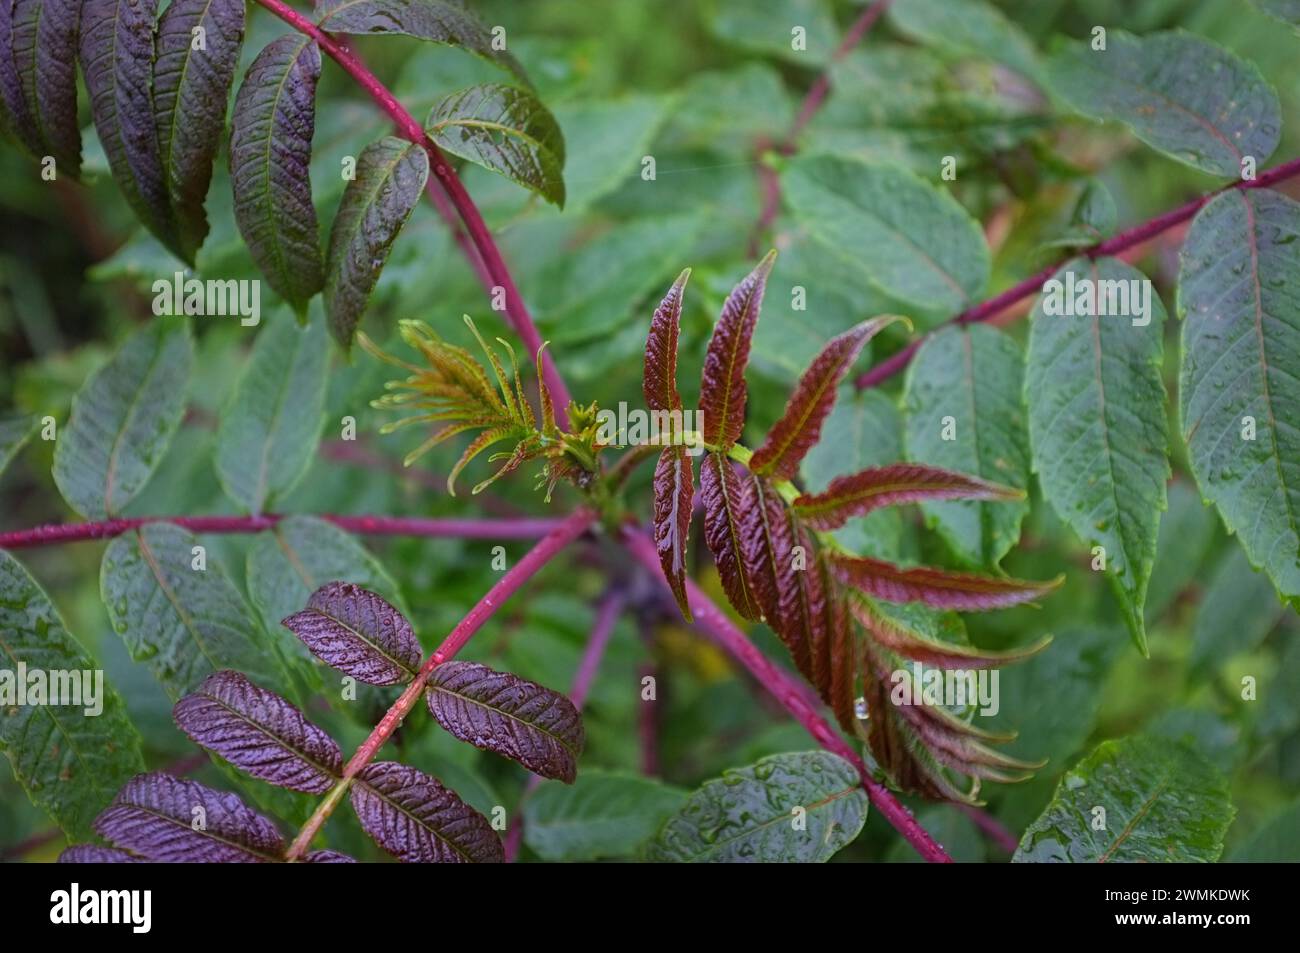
<point>702,89</point>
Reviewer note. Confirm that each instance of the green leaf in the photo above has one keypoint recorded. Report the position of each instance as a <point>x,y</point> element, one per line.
<point>1180,94</point>
<point>1162,803</point>
<point>1097,424</point>
<point>123,420</point>
<point>605,141</point>
<point>117,54</point>
<point>15,431</point>
<point>909,238</point>
<point>970,374</point>
<point>967,27</point>
<point>185,622</point>
<point>792,808</point>
<point>1239,384</point>
<point>438,21</point>
<point>271,130</point>
<point>864,430</point>
<point>1237,612</point>
<point>602,814</point>
<point>376,204</point>
<point>1288,11</point>
<point>269,433</point>
<point>69,762</point>
<point>1091,219</point>
<point>1187,531</point>
<point>767,26</point>
<point>505,129</point>
<point>1278,839</point>
<point>191,89</point>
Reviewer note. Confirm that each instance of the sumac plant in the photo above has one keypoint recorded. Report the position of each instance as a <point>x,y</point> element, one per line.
<point>237,337</point>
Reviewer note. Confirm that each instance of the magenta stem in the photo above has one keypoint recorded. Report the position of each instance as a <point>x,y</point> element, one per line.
<point>817,94</point>
<point>992,827</point>
<point>1125,240</point>
<point>569,529</point>
<point>788,691</point>
<point>491,267</point>
<point>368,525</point>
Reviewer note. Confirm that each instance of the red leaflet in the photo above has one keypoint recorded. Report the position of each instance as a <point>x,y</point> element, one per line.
<point>674,492</point>
<point>722,387</point>
<point>910,644</point>
<point>358,633</point>
<point>417,820</point>
<point>801,425</point>
<point>660,380</point>
<point>935,587</point>
<point>756,548</point>
<point>859,494</point>
<point>727,495</point>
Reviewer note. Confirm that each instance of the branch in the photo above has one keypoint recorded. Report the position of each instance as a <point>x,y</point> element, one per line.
<point>546,549</point>
<point>606,617</point>
<point>1032,285</point>
<point>490,266</point>
<point>790,693</point>
<point>52,533</point>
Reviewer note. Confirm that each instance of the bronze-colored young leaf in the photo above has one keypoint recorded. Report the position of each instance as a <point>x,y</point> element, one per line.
<point>800,425</point>
<point>723,393</point>
<point>859,494</point>
<point>417,820</point>
<point>906,641</point>
<point>505,714</point>
<point>966,592</point>
<point>659,382</point>
<point>674,486</point>
<point>728,496</point>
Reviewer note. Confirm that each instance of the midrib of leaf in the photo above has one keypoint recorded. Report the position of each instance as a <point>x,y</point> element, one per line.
<point>1263,363</point>
<point>1142,812</point>
<point>418,820</point>
<point>205,832</point>
<point>283,742</point>
<point>779,819</point>
<point>127,419</point>
<point>294,560</point>
<point>732,355</point>
<point>58,726</point>
<point>364,638</point>
<point>186,619</point>
<point>501,711</point>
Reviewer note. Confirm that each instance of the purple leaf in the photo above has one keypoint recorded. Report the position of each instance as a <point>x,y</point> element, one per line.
<point>728,496</point>
<point>260,733</point>
<point>44,59</point>
<point>328,857</point>
<point>723,392</point>
<point>659,380</point>
<point>168,820</point>
<point>358,633</point>
<point>418,821</point>
<point>502,713</point>
<point>963,591</point>
<point>94,854</point>
<point>674,485</point>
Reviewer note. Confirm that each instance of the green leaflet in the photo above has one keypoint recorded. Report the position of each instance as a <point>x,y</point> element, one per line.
<point>1181,94</point>
<point>1138,800</point>
<point>185,622</point>
<point>791,808</point>
<point>863,430</point>
<point>1187,530</point>
<point>439,21</point>
<point>191,89</point>
<point>390,177</point>
<point>1278,840</point>
<point>270,430</point>
<point>1288,11</point>
<point>1239,383</point>
<point>271,130</point>
<point>768,27</point>
<point>601,815</point>
<point>965,27</point>
<point>971,375</point>
<point>69,763</point>
<point>605,141</point>
<point>1237,612</point>
<point>909,238</point>
<point>123,420</point>
<point>116,53</point>
<point>505,129</point>
<point>1097,420</point>
<point>15,431</point>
